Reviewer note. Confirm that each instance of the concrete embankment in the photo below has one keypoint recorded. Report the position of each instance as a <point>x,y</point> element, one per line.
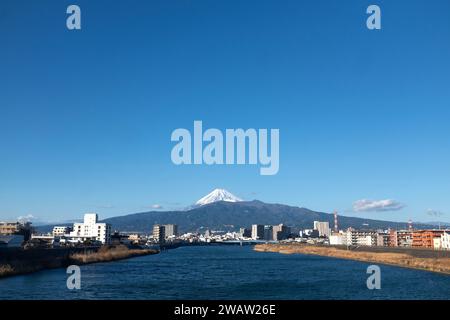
<point>15,261</point>
<point>429,260</point>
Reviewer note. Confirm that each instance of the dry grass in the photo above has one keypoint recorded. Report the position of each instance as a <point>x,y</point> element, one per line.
<point>106,254</point>
<point>6,270</point>
<point>441,264</point>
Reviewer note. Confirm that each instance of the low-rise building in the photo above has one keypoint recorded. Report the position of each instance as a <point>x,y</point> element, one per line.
<point>400,238</point>
<point>309,233</point>
<point>16,228</point>
<point>59,231</point>
<point>42,240</point>
<point>425,238</point>
<point>337,239</point>
<point>8,228</point>
<point>361,237</point>
<point>117,238</point>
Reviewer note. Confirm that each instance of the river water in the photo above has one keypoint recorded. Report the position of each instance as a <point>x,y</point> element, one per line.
<point>228,272</point>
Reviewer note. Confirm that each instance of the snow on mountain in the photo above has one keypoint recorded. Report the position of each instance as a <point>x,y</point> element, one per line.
<point>218,195</point>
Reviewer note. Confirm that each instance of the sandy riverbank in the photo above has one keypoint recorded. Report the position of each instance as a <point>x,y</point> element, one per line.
<point>432,261</point>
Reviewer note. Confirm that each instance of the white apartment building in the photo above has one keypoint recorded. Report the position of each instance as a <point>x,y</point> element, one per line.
<point>59,231</point>
<point>445,241</point>
<point>323,228</point>
<point>92,229</point>
<point>437,244</point>
<point>337,239</point>
<point>257,232</point>
<point>361,238</point>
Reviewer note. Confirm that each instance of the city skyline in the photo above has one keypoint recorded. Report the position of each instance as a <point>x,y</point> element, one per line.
<point>86,116</point>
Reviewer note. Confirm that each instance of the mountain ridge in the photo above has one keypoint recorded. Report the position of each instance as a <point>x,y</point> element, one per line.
<point>230,216</point>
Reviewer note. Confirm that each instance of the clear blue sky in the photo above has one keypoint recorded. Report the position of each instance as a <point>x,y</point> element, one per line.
<point>86,116</point>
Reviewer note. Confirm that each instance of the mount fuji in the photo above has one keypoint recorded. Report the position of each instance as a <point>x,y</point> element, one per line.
<point>218,195</point>
<point>221,210</point>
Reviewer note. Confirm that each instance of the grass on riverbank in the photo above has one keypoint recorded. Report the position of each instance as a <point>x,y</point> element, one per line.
<point>106,254</point>
<point>6,270</point>
<point>434,264</point>
<point>29,262</point>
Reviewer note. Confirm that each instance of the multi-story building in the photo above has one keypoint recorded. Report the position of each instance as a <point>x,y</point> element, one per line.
<point>9,228</point>
<point>383,239</point>
<point>92,229</point>
<point>280,232</point>
<point>337,239</point>
<point>445,240</point>
<point>59,231</point>
<point>400,238</point>
<point>246,233</point>
<point>404,238</point>
<point>118,238</point>
<point>159,233</point>
<point>323,227</point>
<point>425,238</point>
<point>361,237</point>
<point>170,230</point>
<point>268,233</point>
<point>257,232</point>
<point>16,228</point>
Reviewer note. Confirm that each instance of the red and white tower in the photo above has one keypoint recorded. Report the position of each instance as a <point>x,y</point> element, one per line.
<point>410,226</point>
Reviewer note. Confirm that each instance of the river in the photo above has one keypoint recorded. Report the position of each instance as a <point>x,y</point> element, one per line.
<point>228,272</point>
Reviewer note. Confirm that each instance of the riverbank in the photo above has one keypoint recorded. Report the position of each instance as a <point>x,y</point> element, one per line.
<point>105,254</point>
<point>19,261</point>
<point>427,260</point>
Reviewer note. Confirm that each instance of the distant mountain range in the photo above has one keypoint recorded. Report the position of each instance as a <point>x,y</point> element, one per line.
<point>229,216</point>
<point>220,210</point>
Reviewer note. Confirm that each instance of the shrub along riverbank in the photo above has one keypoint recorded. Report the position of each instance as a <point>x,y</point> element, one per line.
<point>106,254</point>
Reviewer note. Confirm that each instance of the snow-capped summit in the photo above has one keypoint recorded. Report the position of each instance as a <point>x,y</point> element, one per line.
<point>218,195</point>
